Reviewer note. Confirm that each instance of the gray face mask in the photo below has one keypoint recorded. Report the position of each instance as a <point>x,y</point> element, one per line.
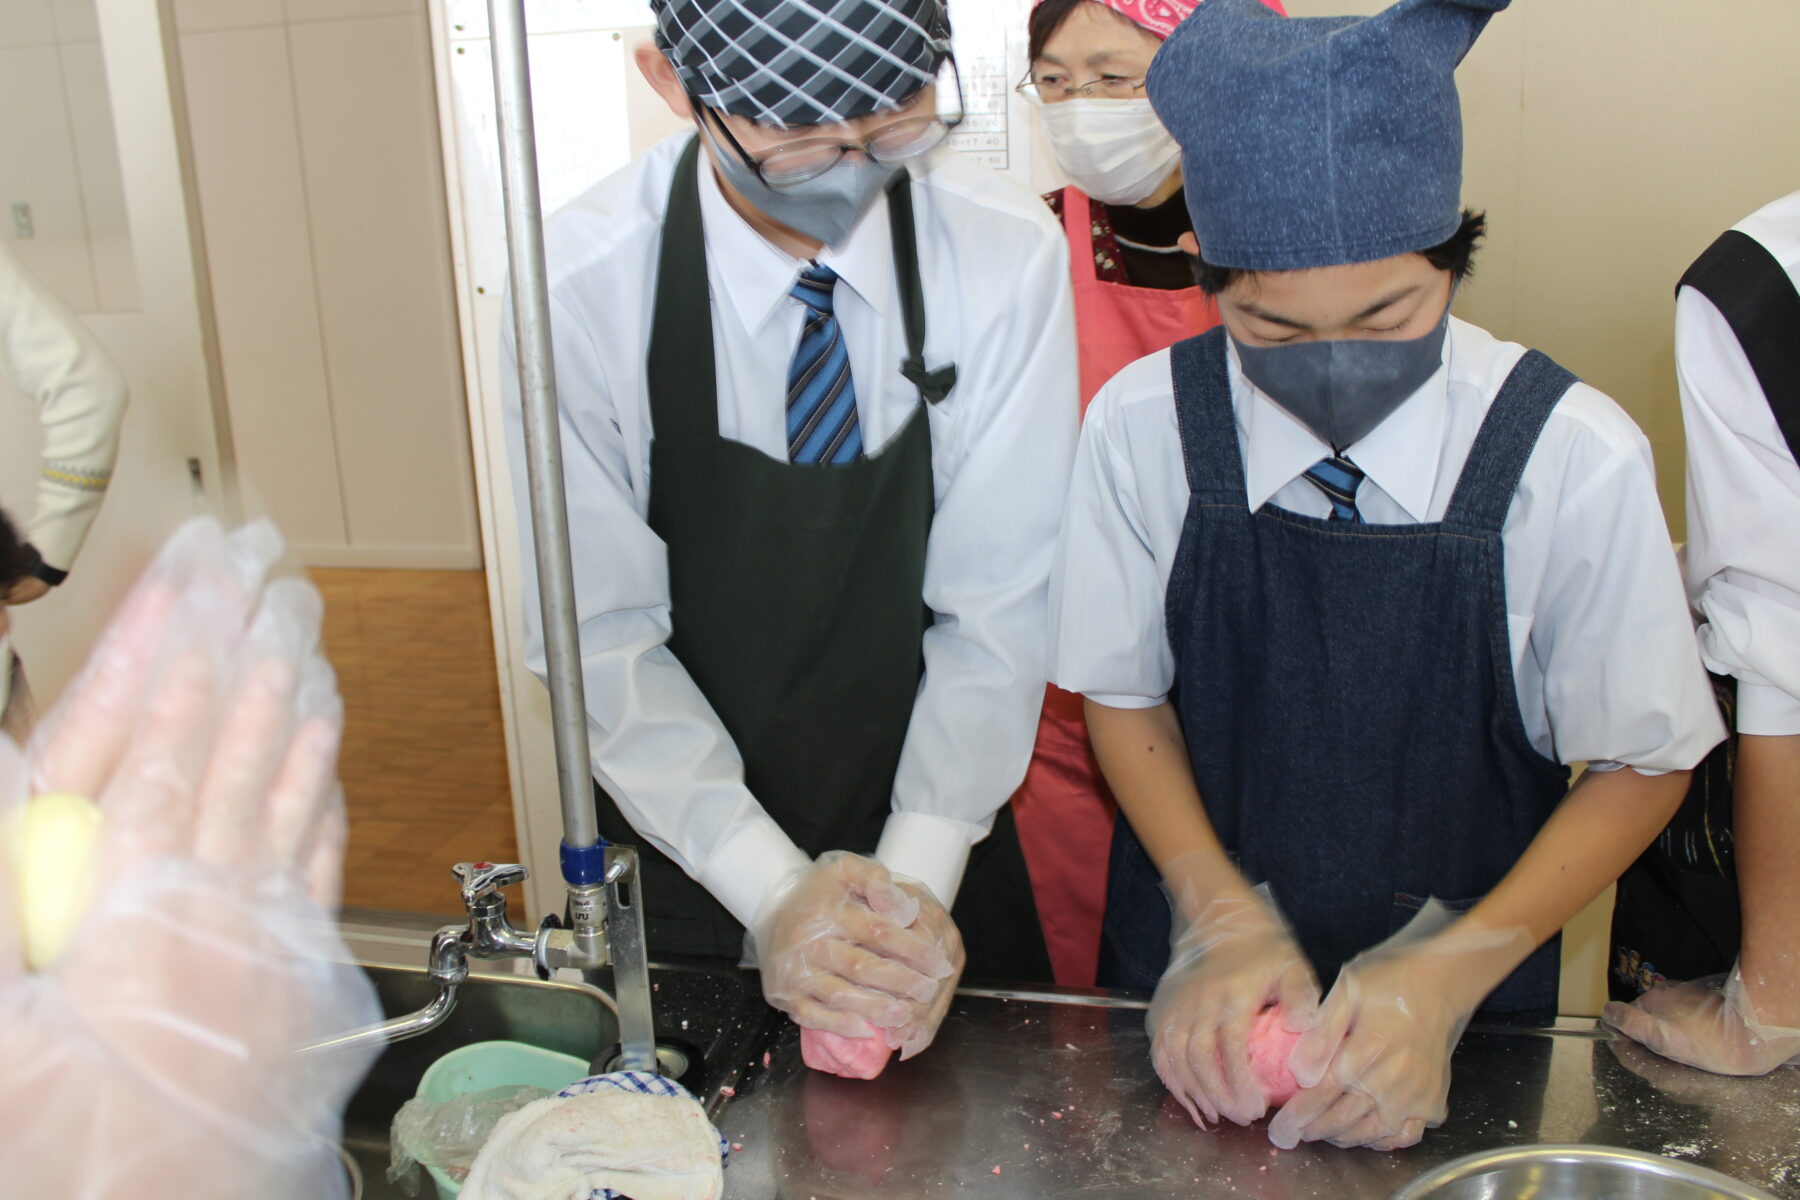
<point>825,209</point>
<point>1341,390</point>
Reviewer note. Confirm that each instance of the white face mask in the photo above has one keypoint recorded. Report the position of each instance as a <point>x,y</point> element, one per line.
<point>1114,150</point>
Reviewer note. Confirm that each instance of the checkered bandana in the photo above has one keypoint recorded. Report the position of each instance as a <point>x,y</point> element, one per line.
<point>802,62</point>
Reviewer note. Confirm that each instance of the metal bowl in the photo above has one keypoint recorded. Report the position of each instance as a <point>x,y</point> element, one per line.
<point>1574,1173</point>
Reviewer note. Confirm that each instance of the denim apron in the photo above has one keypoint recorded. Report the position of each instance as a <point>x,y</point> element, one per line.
<point>796,598</point>
<point>1347,697</point>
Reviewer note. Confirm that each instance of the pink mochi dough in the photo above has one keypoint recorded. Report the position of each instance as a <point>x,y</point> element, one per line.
<point>1270,1045</point>
<point>853,1058</point>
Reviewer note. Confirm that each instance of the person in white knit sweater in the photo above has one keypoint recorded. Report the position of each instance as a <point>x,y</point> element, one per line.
<point>49,357</point>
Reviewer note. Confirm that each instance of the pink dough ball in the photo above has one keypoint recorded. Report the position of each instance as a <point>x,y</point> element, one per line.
<point>853,1058</point>
<point>1270,1045</point>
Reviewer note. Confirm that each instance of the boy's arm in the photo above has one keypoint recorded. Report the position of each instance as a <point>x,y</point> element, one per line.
<point>1145,761</point>
<point>1767,844</point>
<point>1598,831</point>
<point>1375,1070</point>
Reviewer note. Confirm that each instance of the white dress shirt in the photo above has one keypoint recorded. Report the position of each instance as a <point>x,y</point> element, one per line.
<point>1602,643</point>
<point>1743,501</point>
<point>995,271</point>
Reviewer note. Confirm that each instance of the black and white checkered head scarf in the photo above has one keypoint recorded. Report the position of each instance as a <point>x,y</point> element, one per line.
<point>802,62</point>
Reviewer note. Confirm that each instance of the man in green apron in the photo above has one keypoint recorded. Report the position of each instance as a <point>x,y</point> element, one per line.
<point>816,376</point>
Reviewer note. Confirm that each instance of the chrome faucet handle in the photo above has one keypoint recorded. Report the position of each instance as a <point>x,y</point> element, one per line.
<point>480,880</point>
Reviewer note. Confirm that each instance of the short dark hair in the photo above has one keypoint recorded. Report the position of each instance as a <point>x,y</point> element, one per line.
<point>1455,255</point>
<point>17,558</point>
<point>1046,19</point>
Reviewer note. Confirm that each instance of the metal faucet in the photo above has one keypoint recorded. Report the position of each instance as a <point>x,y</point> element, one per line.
<point>613,936</point>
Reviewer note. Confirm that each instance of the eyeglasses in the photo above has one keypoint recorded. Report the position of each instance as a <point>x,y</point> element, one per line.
<point>796,162</point>
<point>1052,89</point>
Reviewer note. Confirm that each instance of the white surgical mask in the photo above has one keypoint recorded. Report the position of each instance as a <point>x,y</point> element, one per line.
<point>1114,150</point>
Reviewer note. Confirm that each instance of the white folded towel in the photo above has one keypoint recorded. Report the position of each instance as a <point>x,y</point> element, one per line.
<point>627,1134</point>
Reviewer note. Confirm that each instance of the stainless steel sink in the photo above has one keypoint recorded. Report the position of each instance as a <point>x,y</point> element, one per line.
<point>713,1019</point>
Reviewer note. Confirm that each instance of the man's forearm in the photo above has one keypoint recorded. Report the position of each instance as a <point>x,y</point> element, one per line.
<point>1766,840</point>
<point>1599,829</point>
<point>1145,760</point>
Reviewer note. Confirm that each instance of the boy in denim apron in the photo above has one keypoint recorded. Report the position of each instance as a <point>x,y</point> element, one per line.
<point>1347,584</point>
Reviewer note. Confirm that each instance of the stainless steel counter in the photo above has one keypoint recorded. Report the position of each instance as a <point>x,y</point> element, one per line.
<point>1061,1099</point>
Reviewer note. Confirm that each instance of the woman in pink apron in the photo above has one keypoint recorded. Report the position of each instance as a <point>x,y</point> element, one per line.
<point>1124,213</point>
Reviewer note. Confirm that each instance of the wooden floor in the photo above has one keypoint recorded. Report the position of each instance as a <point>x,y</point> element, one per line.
<point>424,758</point>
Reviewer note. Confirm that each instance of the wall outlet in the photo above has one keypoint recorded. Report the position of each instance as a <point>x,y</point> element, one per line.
<point>23,226</point>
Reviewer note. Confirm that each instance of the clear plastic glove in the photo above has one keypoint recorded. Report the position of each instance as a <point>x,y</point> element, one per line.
<point>1706,1023</point>
<point>839,949</point>
<point>151,1055</point>
<point>1375,1070</point>
<point>934,923</point>
<point>1236,959</point>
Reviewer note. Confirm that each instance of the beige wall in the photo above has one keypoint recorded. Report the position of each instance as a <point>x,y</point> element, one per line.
<point>321,186</point>
<point>1610,142</point>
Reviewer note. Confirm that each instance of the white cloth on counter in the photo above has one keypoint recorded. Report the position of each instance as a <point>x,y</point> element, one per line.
<point>1602,643</point>
<point>50,357</point>
<point>995,271</point>
<point>1743,501</point>
<point>628,1133</point>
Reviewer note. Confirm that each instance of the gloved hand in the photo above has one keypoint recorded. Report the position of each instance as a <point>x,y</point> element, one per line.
<point>934,923</point>
<point>837,953</point>
<point>1706,1023</point>
<point>1235,959</point>
<point>1375,1070</point>
<point>150,1056</point>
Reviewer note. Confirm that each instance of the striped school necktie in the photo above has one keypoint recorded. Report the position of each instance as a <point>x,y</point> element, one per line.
<point>1338,478</point>
<point>821,401</point>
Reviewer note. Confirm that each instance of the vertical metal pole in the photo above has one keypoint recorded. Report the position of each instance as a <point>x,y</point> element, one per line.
<point>543,444</point>
<point>584,857</point>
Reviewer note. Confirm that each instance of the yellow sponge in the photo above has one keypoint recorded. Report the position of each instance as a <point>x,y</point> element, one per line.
<point>53,853</point>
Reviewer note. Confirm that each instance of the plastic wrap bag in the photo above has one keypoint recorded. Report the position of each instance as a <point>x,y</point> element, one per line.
<point>449,1134</point>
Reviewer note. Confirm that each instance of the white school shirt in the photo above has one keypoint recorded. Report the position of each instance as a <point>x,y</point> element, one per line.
<point>1743,501</point>
<point>995,269</point>
<point>1602,644</point>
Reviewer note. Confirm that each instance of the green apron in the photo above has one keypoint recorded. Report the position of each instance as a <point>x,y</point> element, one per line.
<point>796,596</point>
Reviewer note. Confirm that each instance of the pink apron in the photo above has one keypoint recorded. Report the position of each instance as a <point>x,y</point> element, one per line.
<point>1063,810</point>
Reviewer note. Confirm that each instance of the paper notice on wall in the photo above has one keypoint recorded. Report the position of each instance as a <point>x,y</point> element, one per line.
<point>989,39</point>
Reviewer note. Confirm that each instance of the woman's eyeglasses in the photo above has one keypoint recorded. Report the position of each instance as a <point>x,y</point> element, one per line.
<point>1051,88</point>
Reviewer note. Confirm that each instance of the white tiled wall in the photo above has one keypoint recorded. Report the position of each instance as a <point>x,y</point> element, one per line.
<point>58,156</point>
<point>321,191</point>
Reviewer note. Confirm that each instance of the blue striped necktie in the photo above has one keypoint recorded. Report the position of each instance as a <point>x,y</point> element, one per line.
<point>1338,478</point>
<point>821,399</point>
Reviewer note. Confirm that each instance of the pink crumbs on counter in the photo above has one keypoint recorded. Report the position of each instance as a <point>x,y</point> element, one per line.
<point>996,1169</point>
